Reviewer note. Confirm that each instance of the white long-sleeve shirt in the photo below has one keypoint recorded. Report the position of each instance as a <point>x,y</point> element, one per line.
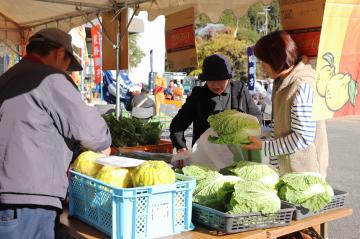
<point>303,128</point>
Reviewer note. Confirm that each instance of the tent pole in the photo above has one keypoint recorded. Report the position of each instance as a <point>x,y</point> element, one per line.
<point>119,38</point>
<point>118,110</point>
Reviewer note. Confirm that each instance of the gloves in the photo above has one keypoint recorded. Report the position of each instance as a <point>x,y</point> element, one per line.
<point>181,159</point>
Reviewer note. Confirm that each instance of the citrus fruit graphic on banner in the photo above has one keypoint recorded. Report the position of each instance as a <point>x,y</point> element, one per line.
<point>338,63</point>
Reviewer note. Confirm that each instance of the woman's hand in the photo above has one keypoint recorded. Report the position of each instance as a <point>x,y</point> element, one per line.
<point>254,145</point>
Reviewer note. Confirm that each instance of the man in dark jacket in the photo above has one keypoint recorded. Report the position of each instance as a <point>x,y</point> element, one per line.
<point>218,94</point>
<point>43,120</point>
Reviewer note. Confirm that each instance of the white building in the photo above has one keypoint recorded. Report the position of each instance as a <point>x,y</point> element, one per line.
<point>153,38</point>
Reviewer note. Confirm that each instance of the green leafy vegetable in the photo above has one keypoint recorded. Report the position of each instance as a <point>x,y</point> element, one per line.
<point>215,192</point>
<point>252,171</point>
<point>309,190</point>
<point>132,132</point>
<point>212,189</point>
<point>233,127</point>
<point>200,173</point>
<point>253,196</point>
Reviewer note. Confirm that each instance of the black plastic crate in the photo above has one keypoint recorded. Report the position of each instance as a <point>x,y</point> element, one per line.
<point>338,201</point>
<point>233,223</point>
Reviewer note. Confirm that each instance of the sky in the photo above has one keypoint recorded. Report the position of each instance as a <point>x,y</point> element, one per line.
<point>153,37</point>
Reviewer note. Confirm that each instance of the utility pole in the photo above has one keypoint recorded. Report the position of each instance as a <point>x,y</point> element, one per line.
<point>265,12</point>
<point>151,73</point>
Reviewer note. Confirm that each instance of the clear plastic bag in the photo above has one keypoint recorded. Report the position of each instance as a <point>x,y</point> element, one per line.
<point>217,156</point>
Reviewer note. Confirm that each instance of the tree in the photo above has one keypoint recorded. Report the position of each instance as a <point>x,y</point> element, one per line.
<point>228,19</point>
<point>256,20</point>
<point>248,35</point>
<point>255,17</point>
<point>249,29</point>
<point>225,44</point>
<point>274,23</point>
<point>202,20</point>
<point>135,52</point>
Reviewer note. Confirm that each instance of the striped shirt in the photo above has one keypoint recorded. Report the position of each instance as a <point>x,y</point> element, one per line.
<point>303,128</point>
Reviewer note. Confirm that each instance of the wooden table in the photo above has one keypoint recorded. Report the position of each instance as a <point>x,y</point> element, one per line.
<point>81,230</point>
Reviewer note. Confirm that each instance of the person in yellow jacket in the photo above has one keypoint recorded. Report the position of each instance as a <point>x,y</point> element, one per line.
<point>160,85</point>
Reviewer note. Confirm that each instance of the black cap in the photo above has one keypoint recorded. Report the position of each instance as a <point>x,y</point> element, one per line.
<point>216,67</point>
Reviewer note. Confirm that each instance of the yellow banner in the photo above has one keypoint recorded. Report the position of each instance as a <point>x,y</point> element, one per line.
<point>338,62</point>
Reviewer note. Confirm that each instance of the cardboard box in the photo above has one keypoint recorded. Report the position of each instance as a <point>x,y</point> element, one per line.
<point>300,14</point>
<point>180,40</point>
<point>303,20</point>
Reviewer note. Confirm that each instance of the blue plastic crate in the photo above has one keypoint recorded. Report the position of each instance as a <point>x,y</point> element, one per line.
<point>132,213</point>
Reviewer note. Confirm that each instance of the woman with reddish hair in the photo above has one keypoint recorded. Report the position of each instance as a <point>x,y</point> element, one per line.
<point>297,142</point>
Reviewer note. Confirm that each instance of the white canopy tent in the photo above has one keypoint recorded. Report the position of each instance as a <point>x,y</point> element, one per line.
<point>20,18</point>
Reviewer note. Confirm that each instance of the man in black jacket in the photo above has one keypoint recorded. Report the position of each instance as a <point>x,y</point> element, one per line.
<point>218,94</point>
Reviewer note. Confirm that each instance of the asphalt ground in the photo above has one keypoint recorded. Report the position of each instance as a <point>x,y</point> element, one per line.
<point>344,172</point>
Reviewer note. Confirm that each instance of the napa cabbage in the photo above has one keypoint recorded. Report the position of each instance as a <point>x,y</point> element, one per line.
<point>253,196</point>
<point>198,172</point>
<point>252,171</point>
<point>215,192</point>
<point>212,189</point>
<point>230,193</point>
<point>306,189</point>
<point>233,127</point>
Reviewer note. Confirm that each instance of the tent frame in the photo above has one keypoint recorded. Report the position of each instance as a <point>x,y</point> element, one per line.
<point>116,6</point>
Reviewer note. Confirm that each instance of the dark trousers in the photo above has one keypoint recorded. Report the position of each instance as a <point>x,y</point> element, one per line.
<point>28,222</point>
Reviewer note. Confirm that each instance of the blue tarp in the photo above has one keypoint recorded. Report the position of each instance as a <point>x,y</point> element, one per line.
<point>109,88</point>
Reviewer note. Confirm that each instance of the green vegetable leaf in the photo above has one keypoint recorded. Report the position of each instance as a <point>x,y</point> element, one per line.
<point>233,127</point>
<point>132,132</point>
<point>309,190</point>
<point>253,196</point>
<point>200,173</point>
<point>353,91</point>
<point>212,189</point>
<point>252,171</point>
